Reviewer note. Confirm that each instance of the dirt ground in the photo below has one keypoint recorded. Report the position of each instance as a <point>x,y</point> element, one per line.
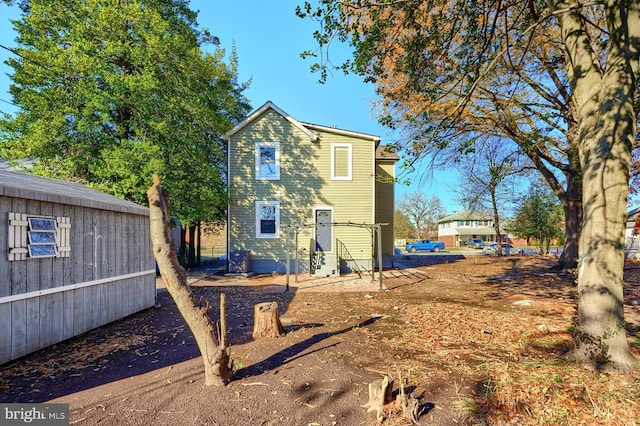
<point>437,322</point>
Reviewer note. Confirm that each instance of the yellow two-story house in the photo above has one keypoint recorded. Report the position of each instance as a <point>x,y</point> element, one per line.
<point>309,192</point>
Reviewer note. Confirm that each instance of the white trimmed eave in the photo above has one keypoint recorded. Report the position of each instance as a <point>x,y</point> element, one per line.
<point>342,132</point>
<point>257,113</point>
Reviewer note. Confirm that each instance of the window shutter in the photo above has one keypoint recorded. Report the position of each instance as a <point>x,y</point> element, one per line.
<point>64,236</point>
<point>18,239</point>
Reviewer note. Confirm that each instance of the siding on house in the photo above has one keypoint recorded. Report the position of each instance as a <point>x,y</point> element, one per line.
<point>108,272</point>
<point>352,200</point>
<point>295,170</point>
<point>305,184</point>
<point>385,204</point>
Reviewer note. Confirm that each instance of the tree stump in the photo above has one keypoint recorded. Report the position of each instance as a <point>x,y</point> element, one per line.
<point>266,320</point>
<point>381,401</point>
<point>379,396</point>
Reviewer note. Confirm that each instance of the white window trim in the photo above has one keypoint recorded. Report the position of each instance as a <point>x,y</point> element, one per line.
<point>259,204</point>
<point>350,162</point>
<point>275,145</point>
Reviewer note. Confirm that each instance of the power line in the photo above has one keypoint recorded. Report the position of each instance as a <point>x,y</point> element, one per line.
<point>9,102</point>
<point>15,52</point>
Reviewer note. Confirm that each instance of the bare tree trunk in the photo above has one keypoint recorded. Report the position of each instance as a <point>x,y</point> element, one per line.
<point>496,222</point>
<point>606,132</point>
<point>217,367</point>
<point>572,205</point>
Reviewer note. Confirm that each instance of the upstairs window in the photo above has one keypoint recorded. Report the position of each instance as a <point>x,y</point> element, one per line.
<point>268,160</point>
<point>341,157</point>
<point>267,219</point>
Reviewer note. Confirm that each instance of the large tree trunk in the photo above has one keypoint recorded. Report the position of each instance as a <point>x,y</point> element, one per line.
<point>572,205</point>
<point>217,366</point>
<point>606,131</point>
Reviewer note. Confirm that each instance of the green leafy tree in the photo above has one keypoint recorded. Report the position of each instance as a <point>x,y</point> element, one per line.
<point>539,216</point>
<point>481,54</point>
<point>110,93</point>
<point>402,226</point>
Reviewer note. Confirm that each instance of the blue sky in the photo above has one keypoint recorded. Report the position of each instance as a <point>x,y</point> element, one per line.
<point>269,38</point>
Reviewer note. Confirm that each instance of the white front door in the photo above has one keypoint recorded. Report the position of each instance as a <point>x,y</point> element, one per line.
<point>324,240</point>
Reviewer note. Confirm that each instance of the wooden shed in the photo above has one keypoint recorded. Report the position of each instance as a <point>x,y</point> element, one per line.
<point>71,259</point>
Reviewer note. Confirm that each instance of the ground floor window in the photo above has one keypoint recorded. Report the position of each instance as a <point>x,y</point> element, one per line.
<point>267,219</point>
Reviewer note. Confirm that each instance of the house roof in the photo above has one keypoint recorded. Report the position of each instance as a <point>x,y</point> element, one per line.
<point>307,128</point>
<point>343,132</point>
<point>37,188</point>
<point>465,215</point>
<point>257,113</point>
<point>386,152</point>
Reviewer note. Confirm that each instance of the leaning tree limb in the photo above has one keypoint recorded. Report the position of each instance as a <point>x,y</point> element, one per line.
<point>217,366</point>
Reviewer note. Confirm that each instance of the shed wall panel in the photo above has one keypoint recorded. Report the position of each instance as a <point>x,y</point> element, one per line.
<point>32,324</point>
<point>44,317</point>
<point>78,246</point>
<point>57,318</point>
<point>79,322</point>
<point>18,328</point>
<point>5,331</point>
<point>68,315</point>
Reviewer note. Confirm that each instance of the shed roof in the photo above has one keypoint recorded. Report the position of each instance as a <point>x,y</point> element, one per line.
<point>37,188</point>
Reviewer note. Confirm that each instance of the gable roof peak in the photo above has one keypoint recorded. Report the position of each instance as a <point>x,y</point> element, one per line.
<point>258,112</point>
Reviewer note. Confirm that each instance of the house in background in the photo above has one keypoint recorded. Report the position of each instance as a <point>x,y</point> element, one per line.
<point>456,229</point>
<point>632,234</point>
<point>320,186</point>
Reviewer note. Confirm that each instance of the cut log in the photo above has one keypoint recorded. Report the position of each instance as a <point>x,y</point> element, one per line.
<point>266,320</point>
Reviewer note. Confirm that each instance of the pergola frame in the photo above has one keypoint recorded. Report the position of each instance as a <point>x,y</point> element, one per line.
<point>374,228</point>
